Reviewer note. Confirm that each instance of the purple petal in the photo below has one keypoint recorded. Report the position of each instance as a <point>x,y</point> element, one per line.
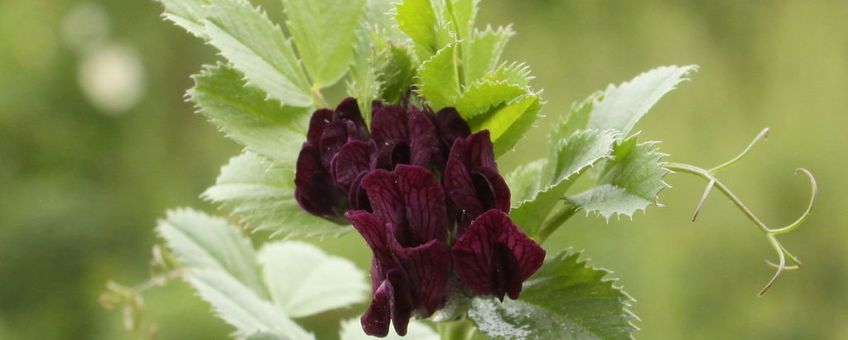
<point>390,125</point>
<point>496,190</point>
<point>314,190</point>
<point>349,162</point>
<point>376,235</point>
<point>479,151</point>
<point>348,110</point>
<point>459,185</point>
<point>423,143</point>
<point>451,125</point>
<point>319,121</point>
<point>334,137</point>
<point>357,196</point>
<point>389,155</point>
<point>493,256</point>
<point>386,200</point>
<point>425,203</point>
<point>428,268</point>
<point>402,300</point>
<point>375,321</point>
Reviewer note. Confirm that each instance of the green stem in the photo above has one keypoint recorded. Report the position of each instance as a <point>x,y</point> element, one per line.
<point>456,330</point>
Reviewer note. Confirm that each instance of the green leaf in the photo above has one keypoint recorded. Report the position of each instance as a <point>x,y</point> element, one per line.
<point>243,114</point>
<point>221,265</point>
<point>484,51</point>
<point>352,330</point>
<point>261,195</point>
<point>576,153</point>
<point>200,241</point>
<point>565,299</point>
<point>624,105</point>
<point>463,13</point>
<point>321,283</point>
<point>629,182</point>
<point>397,73</point>
<point>324,33</point>
<point>188,14</point>
<point>510,73</point>
<point>481,96</point>
<point>508,123</point>
<point>420,20</point>
<point>439,78</point>
<point>258,48</point>
<point>242,308</point>
<point>524,183</point>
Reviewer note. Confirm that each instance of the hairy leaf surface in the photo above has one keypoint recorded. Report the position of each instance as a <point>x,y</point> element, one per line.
<point>565,299</point>
<point>261,195</point>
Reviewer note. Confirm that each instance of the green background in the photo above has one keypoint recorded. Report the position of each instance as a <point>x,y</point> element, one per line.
<point>81,187</point>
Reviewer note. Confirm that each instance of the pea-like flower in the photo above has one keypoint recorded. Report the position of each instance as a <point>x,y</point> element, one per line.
<point>331,134</point>
<point>406,233</point>
<point>426,196</point>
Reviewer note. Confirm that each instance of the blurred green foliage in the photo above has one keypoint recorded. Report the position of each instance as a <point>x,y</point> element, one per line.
<point>81,184</point>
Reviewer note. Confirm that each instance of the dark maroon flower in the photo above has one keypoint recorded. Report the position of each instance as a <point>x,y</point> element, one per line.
<point>472,180</point>
<point>406,232</point>
<point>403,136</point>
<point>494,257</point>
<point>333,136</point>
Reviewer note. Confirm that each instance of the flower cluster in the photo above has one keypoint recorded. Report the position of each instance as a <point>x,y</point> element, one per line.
<point>426,195</point>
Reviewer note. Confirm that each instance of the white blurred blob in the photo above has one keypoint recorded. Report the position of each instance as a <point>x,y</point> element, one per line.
<point>85,27</point>
<point>112,78</point>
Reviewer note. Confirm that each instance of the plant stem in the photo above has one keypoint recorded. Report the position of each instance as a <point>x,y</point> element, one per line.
<point>456,330</point>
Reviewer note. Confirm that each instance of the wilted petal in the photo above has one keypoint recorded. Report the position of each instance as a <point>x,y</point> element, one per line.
<point>389,124</point>
<point>493,256</point>
<point>314,190</point>
<point>349,162</point>
<point>424,200</point>
<point>428,266</point>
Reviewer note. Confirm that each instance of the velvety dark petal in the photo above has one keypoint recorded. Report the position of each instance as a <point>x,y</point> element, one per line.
<point>376,235</point>
<point>423,140</point>
<point>428,267</point>
<point>389,155</point>
<point>386,200</point>
<point>390,125</point>
<point>375,321</point>
<point>334,137</point>
<point>314,190</point>
<point>349,162</point>
<point>529,254</point>
<point>348,110</point>
<point>493,256</point>
<point>402,300</point>
<point>319,121</point>
<point>451,125</point>
<point>479,151</point>
<point>376,105</point>
<point>357,196</point>
<point>496,186</point>
<point>459,185</point>
<point>506,277</point>
<point>424,199</point>
<point>472,255</point>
